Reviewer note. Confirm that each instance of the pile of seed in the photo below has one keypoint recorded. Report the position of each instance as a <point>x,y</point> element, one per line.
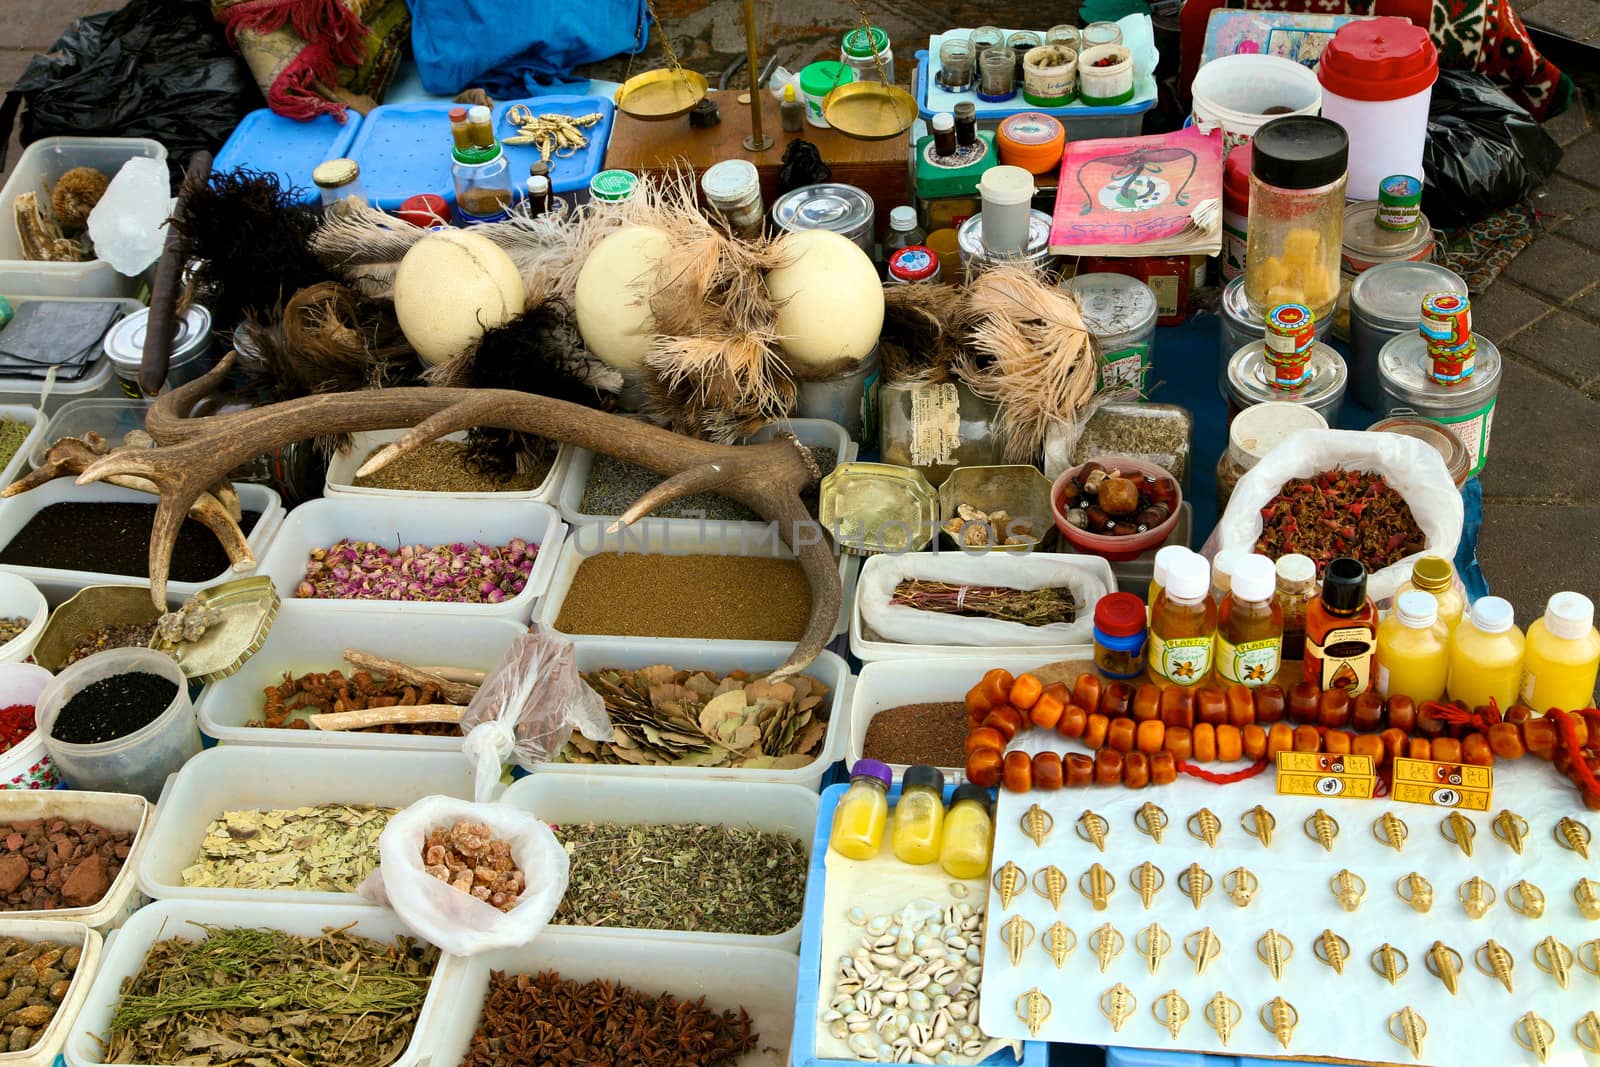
<point>935,734</point>
<point>113,707</point>
<point>11,628</point>
<point>614,485</point>
<point>101,638</point>
<point>445,467</point>
<point>114,538</point>
<point>34,978</point>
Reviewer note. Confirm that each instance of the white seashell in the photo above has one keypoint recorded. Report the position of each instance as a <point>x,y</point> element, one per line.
<point>839,1029</point>
<point>919,1000</point>
<point>921,981</point>
<point>874,983</point>
<point>878,924</point>
<point>863,1047</point>
<point>856,916</point>
<point>891,963</point>
<point>859,1028</point>
<point>960,890</point>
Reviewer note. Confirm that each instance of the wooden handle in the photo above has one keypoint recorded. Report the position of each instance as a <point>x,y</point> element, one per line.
<point>163,323</point>
<point>391,716</point>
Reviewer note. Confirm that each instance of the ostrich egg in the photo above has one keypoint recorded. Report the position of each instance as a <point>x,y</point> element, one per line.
<point>451,286</point>
<point>612,300</point>
<point>830,301</point>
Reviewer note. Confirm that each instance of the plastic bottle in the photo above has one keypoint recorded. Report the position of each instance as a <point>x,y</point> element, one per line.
<point>1163,563</point>
<point>968,833</point>
<point>903,230</point>
<point>1121,631</point>
<point>1562,655</point>
<point>460,137</point>
<point>919,817</point>
<point>1413,649</point>
<point>943,126</point>
<point>1250,625</point>
<point>1486,655</point>
<point>1435,575</point>
<point>1297,584</point>
<point>791,111</point>
<point>863,811</point>
<point>1183,623</point>
<point>1222,565</point>
<point>1341,630</point>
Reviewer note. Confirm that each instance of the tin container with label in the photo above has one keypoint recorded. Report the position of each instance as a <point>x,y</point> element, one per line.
<point>1383,305</point>
<point>1367,245</point>
<point>1250,375</point>
<point>1121,313</point>
<point>975,259</point>
<point>844,209</point>
<point>849,399</point>
<point>1466,407</point>
<point>191,348</point>
<point>1241,326</point>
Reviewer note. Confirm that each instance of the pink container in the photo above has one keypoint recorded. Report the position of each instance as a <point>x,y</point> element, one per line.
<point>1115,549</point>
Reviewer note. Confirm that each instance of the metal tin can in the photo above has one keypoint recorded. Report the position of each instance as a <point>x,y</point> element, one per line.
<point>191,348</point>
<point>1383,304</point>
<point>975,259</point>
<point>1466,407</point>
<point>1241,326</point>
<point>849,399</point>
<point>1439,436</point>
<point>1121,313</point>
<point>844,209</point>
<point>613,186</point>
<point>1251,374</point>
<point>1367,244</point>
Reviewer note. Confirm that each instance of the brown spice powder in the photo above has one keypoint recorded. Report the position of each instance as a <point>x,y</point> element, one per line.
<point>935,734</point>
<point>443,467</point>
<point>714,598</point>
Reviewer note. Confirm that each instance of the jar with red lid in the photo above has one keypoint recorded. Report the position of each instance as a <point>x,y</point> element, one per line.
<point>1235,211</point>
<point>1377,80</point>
<point>914,263</point>
<point>1120,632</point>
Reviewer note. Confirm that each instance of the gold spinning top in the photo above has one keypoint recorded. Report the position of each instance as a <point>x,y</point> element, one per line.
<point>1148,879</point>
<point>1494,960</point>
<point>1459,830</point>
<point>1203,946</point>
<point>1152,943</point>
<point>1275,950</point>
<point>1391,830</point>
<point>1587,1031</point>
<point>1348,888</point>
<point>1053,887</point>
<point>1408,1028</point>
<point>1586,894</point>
<point>1172,1011</point>
<point>1444,963</point>
<point>1554,959</point>
<point>1280,1019</point>
<point>1205,825</point>
<point>1017,933</point>
<point>1476,896</point>
<point>1059,941</point>
<point>1033,1008</point>
<point>1534,1034</point>
<point>1240,885</point>
<point>1150,819</point>
<point>1008,882</point>
<point>1223,1014</point>
<point>1097,884</point>
<point>1093,829</point>
<point>1572,834</point>
<point>1259,824</point>
<point>1525,898</point>
<point>1037,824</point>
<point>1321,828</point>
<point>1195,883</point>
<point>1389,962</point>
<point>1511,828</point>
<point>1108,943</point>
<point>1588,955</point>
<point>1332,950</point>
<point>1118,1004</point>
<point>1415,891</point>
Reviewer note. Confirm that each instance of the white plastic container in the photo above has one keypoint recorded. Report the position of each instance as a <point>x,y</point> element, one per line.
<point>307,637</point>
<point>137,762</point>
<point>241,778</point>
<point>658,800</point>
<point>25,765</point>
<point>759,980</point>
<point>394,522</point>
<point>598,653</point>
<point>114,811</point>
<point>342,467</point>
<point>48,1042</point>
<point>20,598</point>
<point>110,417</point>
<point>99,381</point>
<point>29,417</point>
<point>1007,194</point>
<point>1234,92</point>
<point>1108,85</point>
<point>1377,80</point>
<point>125,955</point>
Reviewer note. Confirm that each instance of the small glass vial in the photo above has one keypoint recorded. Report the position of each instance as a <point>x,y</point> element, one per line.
<point>957,65</point>
<point>1341,630</point>
<point>1064,34</point>
<point>1101,33</point>
<point>480,128</point>
<point>733,190</point>
<point>997,74</point>
<point>1297,585</point>
<point>968,834</point>
<point>337,179</point>
<point>460,135</point>
<point>919,816</point>
<point>903,230</point>
<point>966,114</point>
<point>1297,186</point>
<point>944,134</point>
<point>791,112</point>
<point>863,811</point>
<point>1250,625</point>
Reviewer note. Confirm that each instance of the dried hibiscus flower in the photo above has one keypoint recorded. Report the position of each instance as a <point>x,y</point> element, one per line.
<point>1340,513</point>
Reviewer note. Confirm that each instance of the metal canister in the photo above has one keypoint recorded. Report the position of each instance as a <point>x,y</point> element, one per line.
<point>1368,243</point>
<point>1466,406</point>
<point>849,399</point>
<point>975,258</point>
<point>191,348</point>
<point>1241,326</point>
<point>844,209</point>
<point>1121,313</point>
<point>1251,374</point>
<point>1383,304</point>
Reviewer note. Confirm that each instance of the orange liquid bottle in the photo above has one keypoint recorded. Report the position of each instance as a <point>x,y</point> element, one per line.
<point>1183,624</point>
<point>1341,630</point>
<point>1250,625</point>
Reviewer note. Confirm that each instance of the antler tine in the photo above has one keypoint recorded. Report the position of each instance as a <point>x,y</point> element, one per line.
<point>704,478</point>
<point>822,575</point>
<point>486,410</point>
<point>167,420</point>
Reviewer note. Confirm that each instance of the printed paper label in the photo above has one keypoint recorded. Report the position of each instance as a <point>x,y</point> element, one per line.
<point>1473,429</point>
<point>935,424</point>
<point>1165,286</point>
<point>1181,660</point>
<point>1122,372</point>
<point>1344,776</point>
<point>1251,663</point>
<point>1342,661</point>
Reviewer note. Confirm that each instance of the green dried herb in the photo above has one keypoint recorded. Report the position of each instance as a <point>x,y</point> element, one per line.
<point>326,849</point>
<point>12,434</point>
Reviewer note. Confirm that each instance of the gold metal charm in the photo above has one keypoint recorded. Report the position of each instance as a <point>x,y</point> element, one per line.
<point>1203,946</point>
<point>1097,884</point>
<point>1051,884</point>
<point>1205,825</point>
<point>1586,894</point>
<point>1240,885</point>
<point>1534,1034</point>
<point>1587,1031</point>
<point>1408,1028</point>
<point>1476,896</point>
<point>1148,879</point>
<point>1059,941</point>
<point>1391,830</point>
<point>1275,951</point>
<point>1093,829</point>
<point>1495,961</point>
<point>1415,891</point>
<point>1017,933</point>
<point>1108,943</point>
<point>1259,824</point>
<point>1444,963</point>
<point>1511,828</point>
<point>1033,1008</point>
<point>1008,882</point>
<point>1037,824</point>
<point>1332,950</point>
<point>1554,959</point>
<point>1280,1018</point>
<point>1195,883</point>
<point>1525,898</point>
<point>1172,1011</point>
<point>1223,1014</point>
<point>1152,943</point>
<point>1389,962</point>
<point>1150,819</point>
<point>1588,955</point>
<point>1348,888</point>
<point>1459,830</point>
<point>1321,828</point>
<point>1572,834</point>
<point>1118,1004</point>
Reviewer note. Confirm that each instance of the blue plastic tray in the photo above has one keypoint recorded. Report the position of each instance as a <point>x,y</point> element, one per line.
<point>802,1047</point>
<point>1117,120</point>
<point>572,172</point>
<point>288,148</point>
<point>404,149</point>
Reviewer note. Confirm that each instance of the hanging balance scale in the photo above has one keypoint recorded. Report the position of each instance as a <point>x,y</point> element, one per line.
<point>870,111</point>
<point>658,95</point>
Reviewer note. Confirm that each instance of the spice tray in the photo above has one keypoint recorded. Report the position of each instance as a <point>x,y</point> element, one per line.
<point>598,653</point>
<point>99,380</point>
<point>759,980</point>
<point>28,416</point>
<point>234,778</point>
<point>391,522</point>
<point>803,1052</point>
<point>289,149</point>
<point>58,585</point>
<point>308,637</point>
<point>47,1046</point>
<point>114,811</point>
<point>344,464</point>
<point>1082,122</point>
<point>125,955</point>
<point>583,798</point>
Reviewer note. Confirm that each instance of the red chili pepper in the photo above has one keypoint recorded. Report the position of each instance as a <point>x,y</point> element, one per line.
<point>16,723</point>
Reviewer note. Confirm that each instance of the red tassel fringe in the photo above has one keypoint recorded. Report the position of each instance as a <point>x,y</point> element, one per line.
<point>328,23</point>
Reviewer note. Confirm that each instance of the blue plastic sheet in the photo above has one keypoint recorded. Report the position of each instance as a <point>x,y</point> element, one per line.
<point>513,47</point>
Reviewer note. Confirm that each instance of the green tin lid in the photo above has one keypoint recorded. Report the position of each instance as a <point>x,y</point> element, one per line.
<point>856,47</point>
<point>613,186</point>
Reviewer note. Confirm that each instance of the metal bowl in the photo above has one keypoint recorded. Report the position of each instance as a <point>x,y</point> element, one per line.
<point>869,111</point>
<point>658,95</point>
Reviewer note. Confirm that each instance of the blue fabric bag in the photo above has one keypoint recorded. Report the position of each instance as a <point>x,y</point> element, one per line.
<point>512,47</point>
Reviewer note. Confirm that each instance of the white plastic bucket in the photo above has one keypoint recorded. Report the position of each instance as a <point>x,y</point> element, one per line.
<point>1235,92</point>
<point>20,598</point>
<point>1386,137</point>
<point>25,765</point>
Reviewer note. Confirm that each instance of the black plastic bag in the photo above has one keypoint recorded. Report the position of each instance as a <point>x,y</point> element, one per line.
<point>1483,153</point>
<point>156,68</point>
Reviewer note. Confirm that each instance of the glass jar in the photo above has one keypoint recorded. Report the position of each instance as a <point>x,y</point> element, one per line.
<point>984,38</point>
<point>336,179</point>
<point>1019,43</point>
<point>935,428</point>
<point>862,53</point>
<point>733,190</point>
<point>1101,33</point>
<point>997,74</point>
<point>1065,35</point>
<point>1297,585</point>
<point>903,230</point>
<point>1297,183</point>
<point>1254,432</point>
<point>956,64</point>
<point>483,184</point>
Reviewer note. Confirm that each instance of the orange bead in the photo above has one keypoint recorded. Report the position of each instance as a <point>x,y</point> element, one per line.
<point>1305,700</point>
<point>1177,706</point>
<point>1179,741</point>
<point>1367,713</point>
<point>1147,702</point>
<point>1269,703</point>
<point>1136,770</point>
<point>1018,774</point>
<point>1447,750</point>
<point>1475,751</point>
<point>1369,745</point>
<point>1505,740</point>
<point>1074,720</point>
<point>983,767</point>
<point>1025,690</point>
<point>1394,745</point>
<point>1150,736</point>
<point>1230,743</point>
<point>1047,771</point>
<point>985,737</point>
<point>1539,737</point>
<point>1334,712</point>
<point>1210,706</point>
<point>1204,740</point>
<point>1121,735</point>
<point>1046,712</point>
<point>1338,742</point>
<point>1518,713</point>
<point>1241,706</point>
<point>1005,719</point>
<point>1255,741</point>
<point>1086,692</point>
<point>1080,770</point>
<point>1094,734</point>
<point>1402,713</point>
<point>1307,739</point>
<point>1580,730</point>
<point>1163,769</point>
<point>1060,691</point>
<point>1108,767</point>
<point>1116,699</point>
<point>1280,738</point>
<point>1418,748</point>
<point>996,686</point>
<point>977,705</point>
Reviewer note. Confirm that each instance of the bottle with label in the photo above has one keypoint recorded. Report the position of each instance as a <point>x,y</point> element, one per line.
<point>919,817</point>
<point>863,811</point>
<point>968,833</point>
<point>1562,656</point>
<point>1341,630</point>
<point>1486,656</point>
<point>1413,649</point>
<point>1158,572</point>
<point>1121,631</point>
<point>1183,623</point>
<point>903,230</point>
<point>1434,575</point>
<point>1250,625</point>
<point>1222,565</point>
<point>1297,585</point>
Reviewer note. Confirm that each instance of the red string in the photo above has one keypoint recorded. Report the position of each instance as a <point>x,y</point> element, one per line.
<point>1224,779</point>
<point>1577,766</point>
<point>1449,713</point>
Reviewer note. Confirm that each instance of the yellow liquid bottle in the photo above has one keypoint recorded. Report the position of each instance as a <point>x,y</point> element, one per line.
<point>1413,649</point>
<point>919,817</point>
<point>863,811</point>
<point>1486,655</point>
<point>1250,625</point>
<point>1158,574</point>
<point>1562,656</point>
<point>1183,624</point>
<point>968,834</point>
<point>1434,575</point>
